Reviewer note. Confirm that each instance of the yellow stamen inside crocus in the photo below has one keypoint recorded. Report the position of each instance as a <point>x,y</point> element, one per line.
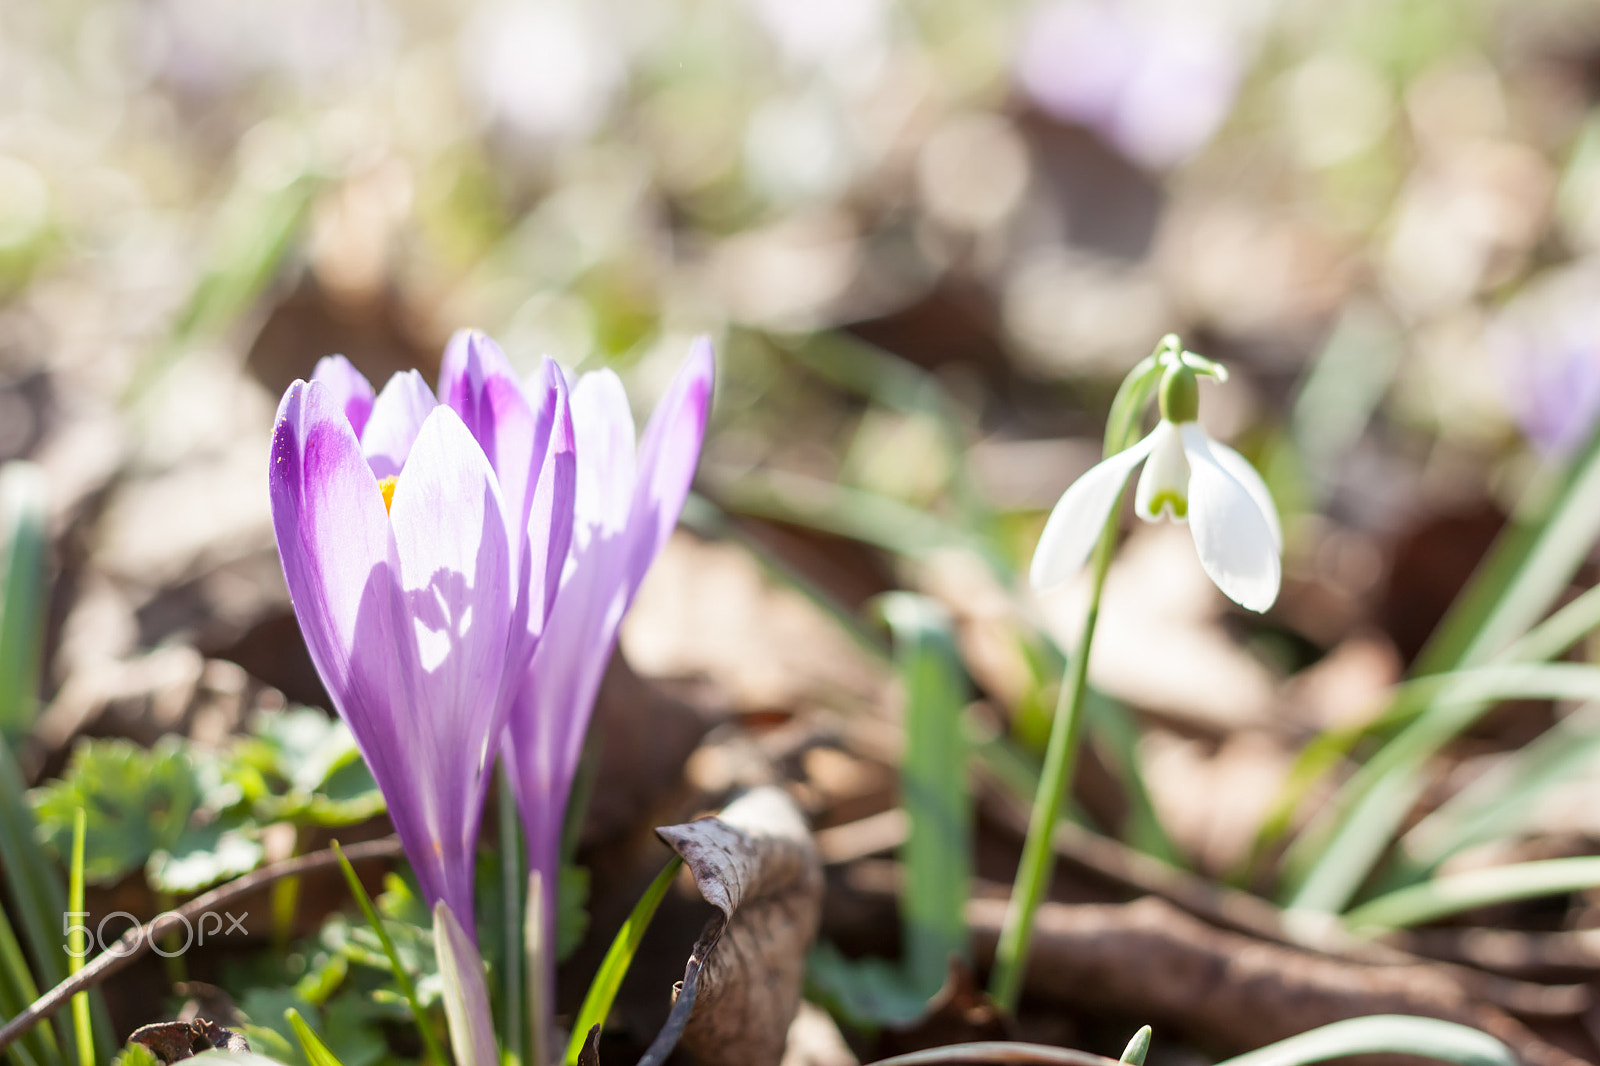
<point>386,486</point>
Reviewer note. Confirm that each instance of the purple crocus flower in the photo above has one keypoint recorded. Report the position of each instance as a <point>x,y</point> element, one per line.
<point>417,540</point>
<point>626,507</point>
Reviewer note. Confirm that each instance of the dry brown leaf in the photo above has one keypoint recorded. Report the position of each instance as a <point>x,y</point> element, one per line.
<point>756,863</point>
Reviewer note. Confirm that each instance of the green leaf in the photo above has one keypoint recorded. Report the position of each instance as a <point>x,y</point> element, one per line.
<point>863,993</point>
<point>1383,1034</point>
<point>401,977</point>
<point>572,910</point>
<point>608,979</point>
<point>1333,856</point>
<point>204,854</point>
<point>266,1011</point>
<point>134,1055</point>
<point>933,788</point>
<point>1444,896</point>
<point>24,542</point>
<point>1137,1048</point>
<point>1527,570</point>
<point>1500,802</point>
<point>301,765</point>
<point>316,1052</point>
<point>138,800</point>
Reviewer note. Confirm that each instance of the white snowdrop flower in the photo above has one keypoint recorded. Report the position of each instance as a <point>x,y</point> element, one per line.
<point>1188,477</point>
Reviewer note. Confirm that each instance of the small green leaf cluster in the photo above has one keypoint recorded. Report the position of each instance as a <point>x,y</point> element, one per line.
<point>191,818</point>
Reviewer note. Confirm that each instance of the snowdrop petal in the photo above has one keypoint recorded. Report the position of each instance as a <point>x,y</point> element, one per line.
<point>1240,469</point>
<point>1079,516</point>
<point>1231,534</point>
<point>1164,485</point>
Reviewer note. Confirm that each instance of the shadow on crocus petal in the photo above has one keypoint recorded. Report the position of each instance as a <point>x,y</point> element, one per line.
<point>427,701</point>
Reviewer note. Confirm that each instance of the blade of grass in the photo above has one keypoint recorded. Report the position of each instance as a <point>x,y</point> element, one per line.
<point>1444,896</point>
<point>1548,640</point>
<point>1555,524</point>
<point>933,788</point>
<point>608,979</point>
<point>1526,571</point>
<point>253,230</point>
<point>40,898</point>
<point>36,1047</point>
<point>1383,1034</point>
<point>1330,860</point>
<point>22,595</point>
<point>1498,803</point>
<point>316,1052</point>
<point>1134,1054</point>
<point>430,1039</point>
<point>76,948</point>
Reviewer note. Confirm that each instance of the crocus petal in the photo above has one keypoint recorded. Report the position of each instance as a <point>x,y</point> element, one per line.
<point>668,455</point>
<point>1231,534</point>
<point>349,388</point>
<point>603,423</point>
<point>1239,468</point>
<point>397,416</point>
<point>1079,516</point>
<point>551,512</point>
<point>466,996</point>
<point>1164,484</point>
<point>333,535</point>
<point>477,382</point>
<point>617,531</point>
<point>456,602</point>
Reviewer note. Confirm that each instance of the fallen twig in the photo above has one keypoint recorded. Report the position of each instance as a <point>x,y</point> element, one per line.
<point>1227,988</point>
<point>133,943</point>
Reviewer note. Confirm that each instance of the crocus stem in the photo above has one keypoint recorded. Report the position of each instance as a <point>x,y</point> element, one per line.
<point>513,1048</point>
<point>1038,854</point>
<point>539,934</point>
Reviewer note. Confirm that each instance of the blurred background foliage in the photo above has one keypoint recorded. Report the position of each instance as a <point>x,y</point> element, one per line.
<point>930,236</point>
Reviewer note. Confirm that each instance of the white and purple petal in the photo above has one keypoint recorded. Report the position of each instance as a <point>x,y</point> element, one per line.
<point>349,388</point>
<point>397,416</point>
<point>456,602</point>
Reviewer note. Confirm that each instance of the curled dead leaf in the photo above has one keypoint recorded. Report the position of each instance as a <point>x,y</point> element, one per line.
<point>756,863</point>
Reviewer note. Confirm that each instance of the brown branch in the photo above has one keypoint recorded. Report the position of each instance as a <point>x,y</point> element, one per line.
<point>133,943</point>
<point>1226,988</point>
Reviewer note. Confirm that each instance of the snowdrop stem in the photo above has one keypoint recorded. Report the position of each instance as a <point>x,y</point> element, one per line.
<point>1038,854</point>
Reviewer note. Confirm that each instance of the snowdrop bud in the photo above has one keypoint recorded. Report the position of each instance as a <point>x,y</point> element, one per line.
<point>1180,394</point>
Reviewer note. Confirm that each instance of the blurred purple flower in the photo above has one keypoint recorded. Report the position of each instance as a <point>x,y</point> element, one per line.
<point>626,508</point>
<point>419,541</point>
<point>1155,82</point>
<point>1560,398</point>
<point>1546,345</point>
